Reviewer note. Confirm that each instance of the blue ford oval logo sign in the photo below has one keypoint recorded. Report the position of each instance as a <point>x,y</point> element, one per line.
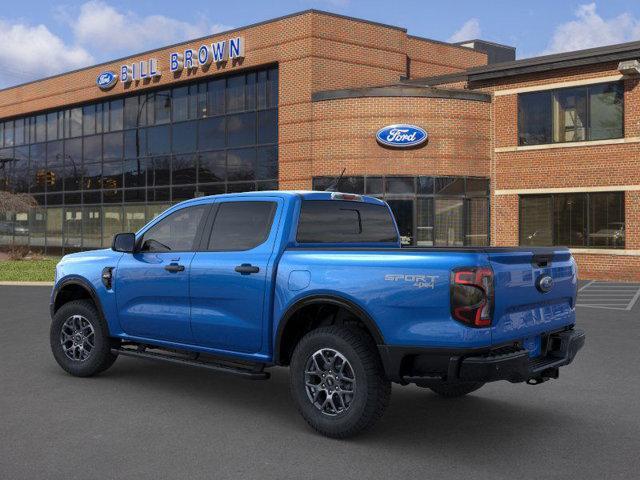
<point>106,80</point>
<point>401,136</point>
<point>544,283</point>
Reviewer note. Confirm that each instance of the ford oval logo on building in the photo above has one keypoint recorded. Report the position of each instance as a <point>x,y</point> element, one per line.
<point>106,80</point>
<point>401,136</point>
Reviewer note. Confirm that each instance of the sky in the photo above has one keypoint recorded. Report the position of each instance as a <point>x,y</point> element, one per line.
<point>39,38</point>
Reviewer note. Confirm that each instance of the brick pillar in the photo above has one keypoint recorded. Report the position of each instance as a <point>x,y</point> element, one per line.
<point>504,220</point>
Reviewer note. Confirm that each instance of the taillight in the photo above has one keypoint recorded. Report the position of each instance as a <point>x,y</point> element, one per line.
<point>472,295</point>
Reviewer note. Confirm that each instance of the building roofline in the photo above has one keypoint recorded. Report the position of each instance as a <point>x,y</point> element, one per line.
<point>556,61</point>
<point>400,90</point>
<point>225,32</point>
<point>495,44</point>
<point>436,79</point>
<point>441,42</point>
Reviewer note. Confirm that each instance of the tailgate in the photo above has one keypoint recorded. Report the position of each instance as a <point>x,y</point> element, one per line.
<point>527,304</point>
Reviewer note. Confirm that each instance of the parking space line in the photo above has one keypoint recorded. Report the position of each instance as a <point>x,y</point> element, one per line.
<point>634,300</point>
<point>586,285</point>
<point>610,296</point>
<point>604,308</point>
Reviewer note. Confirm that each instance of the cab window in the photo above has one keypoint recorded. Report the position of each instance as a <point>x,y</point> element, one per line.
<point>176,232</point>
<point>241,225</point>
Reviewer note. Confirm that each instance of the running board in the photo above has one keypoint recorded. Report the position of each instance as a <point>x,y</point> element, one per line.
<point>256,373</point>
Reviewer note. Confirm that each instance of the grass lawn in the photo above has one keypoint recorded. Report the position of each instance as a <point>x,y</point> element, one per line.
<point>28,270</point>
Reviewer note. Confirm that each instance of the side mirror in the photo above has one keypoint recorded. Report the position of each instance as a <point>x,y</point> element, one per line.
<point>124,242</point>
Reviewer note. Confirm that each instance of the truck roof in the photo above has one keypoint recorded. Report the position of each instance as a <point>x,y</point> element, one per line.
<point>305,194</point>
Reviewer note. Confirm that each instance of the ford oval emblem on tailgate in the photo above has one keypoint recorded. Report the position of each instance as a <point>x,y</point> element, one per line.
<point>544,283</point>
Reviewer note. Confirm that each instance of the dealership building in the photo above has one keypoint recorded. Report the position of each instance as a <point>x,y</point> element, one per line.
<point>541,151</point>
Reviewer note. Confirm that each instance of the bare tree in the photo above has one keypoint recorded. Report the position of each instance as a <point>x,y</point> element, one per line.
<point>16,202</point>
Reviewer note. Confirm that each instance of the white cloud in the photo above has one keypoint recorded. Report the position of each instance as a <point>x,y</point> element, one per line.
<point>105,29</point>
<point>469,31</point>
<point>591,30</point>
<point>98,31</point>
<point>28,52</point>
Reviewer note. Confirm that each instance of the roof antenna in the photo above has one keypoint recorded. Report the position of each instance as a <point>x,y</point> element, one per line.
<point>336,183</point>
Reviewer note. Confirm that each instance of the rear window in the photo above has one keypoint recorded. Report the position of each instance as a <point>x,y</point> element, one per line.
<point>336,221</point>
<point>241,225</point>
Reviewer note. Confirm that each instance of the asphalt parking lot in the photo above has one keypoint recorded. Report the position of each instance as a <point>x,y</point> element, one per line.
<point>150,420</point>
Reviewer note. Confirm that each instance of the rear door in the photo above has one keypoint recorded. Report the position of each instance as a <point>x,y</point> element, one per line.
<point>527,303</point>
<point>229,279</point>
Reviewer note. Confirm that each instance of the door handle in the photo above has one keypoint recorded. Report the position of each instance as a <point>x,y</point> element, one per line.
<point>174,268</point>
<point>247,269</point>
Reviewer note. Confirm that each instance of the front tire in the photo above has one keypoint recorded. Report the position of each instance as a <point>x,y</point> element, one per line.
<point>456,390</point>
<point>337,381</point>
<point>80,340</point>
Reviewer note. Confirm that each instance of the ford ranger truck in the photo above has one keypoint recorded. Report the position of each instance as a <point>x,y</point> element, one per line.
<point>318,282</point>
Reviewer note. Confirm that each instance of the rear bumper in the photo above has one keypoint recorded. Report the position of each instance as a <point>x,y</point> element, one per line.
<point>511,362</point>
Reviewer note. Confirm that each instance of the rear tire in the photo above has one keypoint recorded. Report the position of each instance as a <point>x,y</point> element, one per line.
<point>80,340</point>
<point>353,393</point>
<point>456,389</point>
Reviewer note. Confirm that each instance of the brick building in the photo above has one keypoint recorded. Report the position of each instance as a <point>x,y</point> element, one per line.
<point>540,151</point>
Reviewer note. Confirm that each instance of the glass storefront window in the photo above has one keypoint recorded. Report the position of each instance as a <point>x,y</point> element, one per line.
<point>134,218</point>
<point>400,185</point>
<point>235,93</point>
<point>212,167</point>
<point>241,164</point>
<point>112,223</point>
<point>449,222</point>
<point>216,97</point>
<point>116,115</point>
<point>374,186</point>
<point>82,163</point>
<point>593,220</point>
<point>184,136</point>
<point>424,217</point>
<point>606,220</point>
<point>21,228</point>
<point>159,140</point>
<point>441,211</point>
<point>180,104</point>
<point>212,133</point>
<point>477,231</point>
<point>72,227</point>
<point>92,227</point>
<point>161,107</point>
<point>54,227</point>
<point>37,227</point>
<point>183,170</point>
<point>576,114</point>
<point>241,130</point>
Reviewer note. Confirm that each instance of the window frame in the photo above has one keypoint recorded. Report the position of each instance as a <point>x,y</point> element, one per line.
<point>198,240</point>
<point>552,93</point>
<point>420,193</point>
<point>386,207</point>
<point>208,231</point>
<point>588,221</point>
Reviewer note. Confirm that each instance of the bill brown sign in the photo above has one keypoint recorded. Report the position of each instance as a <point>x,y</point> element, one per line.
<point>189,59</point>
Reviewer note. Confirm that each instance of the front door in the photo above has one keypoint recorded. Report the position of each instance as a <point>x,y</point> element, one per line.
<point>152,285</point>
<point>228,281</point>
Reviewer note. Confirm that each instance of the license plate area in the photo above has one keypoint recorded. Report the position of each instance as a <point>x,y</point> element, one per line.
<point>533,344</point>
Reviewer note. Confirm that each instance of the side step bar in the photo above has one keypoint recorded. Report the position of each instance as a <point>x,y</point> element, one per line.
<point>255,373</point>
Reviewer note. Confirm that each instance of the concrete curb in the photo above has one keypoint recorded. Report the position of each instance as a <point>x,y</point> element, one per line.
<point>27,284</point>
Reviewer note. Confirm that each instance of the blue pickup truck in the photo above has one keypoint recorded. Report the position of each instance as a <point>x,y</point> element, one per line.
<point>316,281</point>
